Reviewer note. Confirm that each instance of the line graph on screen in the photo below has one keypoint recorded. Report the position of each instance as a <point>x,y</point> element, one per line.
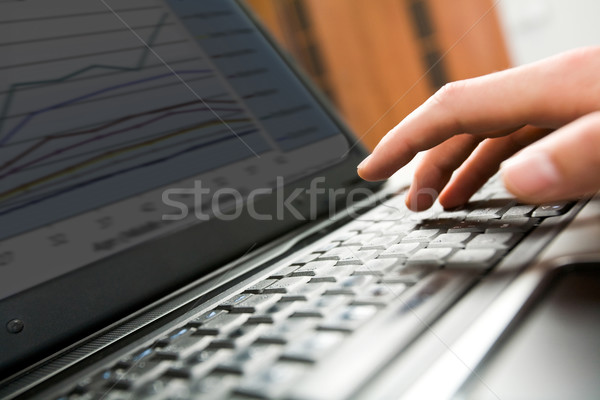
<point>106,116</point>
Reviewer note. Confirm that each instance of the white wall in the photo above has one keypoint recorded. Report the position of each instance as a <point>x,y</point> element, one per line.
<point>535,29</point>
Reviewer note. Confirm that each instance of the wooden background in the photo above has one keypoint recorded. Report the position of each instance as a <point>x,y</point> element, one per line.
<point>378,60</point>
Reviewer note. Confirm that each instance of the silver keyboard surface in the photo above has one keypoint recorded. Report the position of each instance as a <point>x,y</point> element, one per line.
<point>267,340</point>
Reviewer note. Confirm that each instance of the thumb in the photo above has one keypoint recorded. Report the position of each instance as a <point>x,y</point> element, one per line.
<point>563,165</point>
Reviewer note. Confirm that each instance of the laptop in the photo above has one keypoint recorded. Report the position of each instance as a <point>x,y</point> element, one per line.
<point>180,217</point>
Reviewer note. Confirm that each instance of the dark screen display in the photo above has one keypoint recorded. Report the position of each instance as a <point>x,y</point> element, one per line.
<point>113,113</point>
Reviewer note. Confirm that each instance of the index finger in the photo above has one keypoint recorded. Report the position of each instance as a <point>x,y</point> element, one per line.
<point>548,93</point>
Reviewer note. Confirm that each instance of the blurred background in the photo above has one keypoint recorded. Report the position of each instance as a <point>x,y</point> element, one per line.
<point>377,60</point>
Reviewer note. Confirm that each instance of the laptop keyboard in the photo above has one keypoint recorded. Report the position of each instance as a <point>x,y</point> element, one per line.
<point>261,342</point>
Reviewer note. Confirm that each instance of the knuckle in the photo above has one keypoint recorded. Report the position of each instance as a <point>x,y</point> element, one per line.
<point>445,100</point>
<point>448,93</point>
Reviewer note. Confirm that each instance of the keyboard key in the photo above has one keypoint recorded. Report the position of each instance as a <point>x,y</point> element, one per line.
<point>381,242</point>
<point>376,267</point>
<point>239,337</point>
<point>552,209</point>
<point>222,323</point>
<point>441,225</point>
<point>137,374</point>
<point>420,216</point>
<point>183,347</point>
<point>284,272</point>
<point>326,247</point>
<point>113,394</point>
<point>381,213</point>
<point>249,359</point>
<point>258,287</point>
<point>272,382</point>
<point>306,258</point>
<point>421,235</point>
<point>173,336</point>
<point>286,285</point>
<point>153,388</point>
<point>429,256</point>
<point>175,389</point>
<point>276,313</point>
<point>456,214</point>
<point>394,214</point>
<point>517,225</point>
<point>358,257</point>
<point>137,356</point>
<point>215,386</point>
<point>322,306</point>
<point>468,226</point>
<point>357,225</point>
<point>311,268</point>
<point>407,275</point>
<point>379,294</point>
<point>483,194</point>
<point>489,209</point>
<point>178,371</point>
<point>200,363</point>
<point>256,303</point>
<point>455,240</point>
<point>349,255</point>
<point>501,241</point>
<point>473,258</point>
<point>233,301</point>
<point>312,346</point>
<point>85,385</point>
<point>519,211</point>
<point>350,285</point>
<point>107,378</point>
<point>402,250</point>
<point>287,331</point>
<point>340,253</point>
<point>359,240</point>
<point>202,319</point>
<point>305,292</point>
<point>349,318</point>
<point>396,202</point>
<point>343,236</point>
<point>401,228</point>
<point>333,274</point>
<point>380,227</point>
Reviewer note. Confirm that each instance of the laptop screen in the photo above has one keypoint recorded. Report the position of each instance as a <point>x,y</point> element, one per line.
<point>143,144</point>
<point>116,118</point>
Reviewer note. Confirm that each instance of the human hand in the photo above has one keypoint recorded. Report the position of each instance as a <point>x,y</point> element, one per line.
<point>548,112</point>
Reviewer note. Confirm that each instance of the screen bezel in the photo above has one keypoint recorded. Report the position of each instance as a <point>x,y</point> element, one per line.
<point>76,305</point>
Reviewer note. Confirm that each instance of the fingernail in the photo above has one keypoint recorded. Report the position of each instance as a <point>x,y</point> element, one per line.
<point>364,162</point>
<point>530,174</point>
